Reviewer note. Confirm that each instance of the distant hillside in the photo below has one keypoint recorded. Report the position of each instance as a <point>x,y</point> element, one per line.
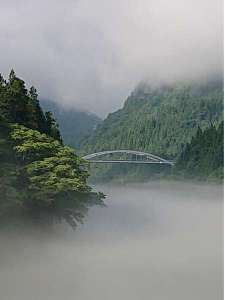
<point>74,125</point>
<point>159,120</point>
<point>203,156</point>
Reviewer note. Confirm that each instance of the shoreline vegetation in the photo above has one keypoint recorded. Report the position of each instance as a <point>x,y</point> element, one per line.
<point>40,178</point>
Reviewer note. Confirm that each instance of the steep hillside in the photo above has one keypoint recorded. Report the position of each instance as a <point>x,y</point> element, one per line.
<point>74,125</point>
<point>203,156</point>
<point>160,120</point>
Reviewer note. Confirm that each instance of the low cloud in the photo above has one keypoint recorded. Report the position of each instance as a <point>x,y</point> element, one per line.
<point>91,54</point>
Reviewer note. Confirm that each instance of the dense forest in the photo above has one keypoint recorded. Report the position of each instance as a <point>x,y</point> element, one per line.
<point>203,156</point>
<point>74,125</point>
<point>39,176</point>
<point>160,120</point>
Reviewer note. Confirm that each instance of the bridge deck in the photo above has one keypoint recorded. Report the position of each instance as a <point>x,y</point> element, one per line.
<point>144,158</point>
<point>130,162</point>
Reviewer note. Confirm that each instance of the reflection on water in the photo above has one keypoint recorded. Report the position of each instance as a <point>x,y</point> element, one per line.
<point>155,241</point>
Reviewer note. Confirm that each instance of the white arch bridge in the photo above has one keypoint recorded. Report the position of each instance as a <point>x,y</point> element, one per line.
<point>131,156</point>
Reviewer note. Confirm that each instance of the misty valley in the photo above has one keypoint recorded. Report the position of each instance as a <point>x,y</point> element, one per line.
<point>112,150</point>
<point>128,207</point>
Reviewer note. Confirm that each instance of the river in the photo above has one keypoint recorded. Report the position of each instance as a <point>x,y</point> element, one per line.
<point>156,241</point>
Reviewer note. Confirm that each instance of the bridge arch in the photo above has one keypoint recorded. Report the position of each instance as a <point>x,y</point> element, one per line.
<point>146,157</point>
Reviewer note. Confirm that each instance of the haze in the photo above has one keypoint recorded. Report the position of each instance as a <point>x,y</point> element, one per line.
<point>161,240</point>
<point>91,54</point>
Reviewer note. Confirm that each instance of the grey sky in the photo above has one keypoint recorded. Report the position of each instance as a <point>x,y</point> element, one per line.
<point>91,54</point>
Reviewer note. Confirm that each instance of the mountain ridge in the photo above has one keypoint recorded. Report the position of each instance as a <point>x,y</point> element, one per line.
<point>74,125</point>
<point>160,120</point>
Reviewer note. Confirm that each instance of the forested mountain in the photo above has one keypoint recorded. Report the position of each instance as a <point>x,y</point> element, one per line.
<point>203,156</point>
<point>38,175</point>
<point>160,120</point>
<point>74,125</point>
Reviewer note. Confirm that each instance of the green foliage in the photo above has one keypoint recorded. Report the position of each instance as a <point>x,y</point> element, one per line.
<point>38,175</point>
<point>159,120</point>
<point>203,156</point>
<point>17,105</point>
<point>31,144</point>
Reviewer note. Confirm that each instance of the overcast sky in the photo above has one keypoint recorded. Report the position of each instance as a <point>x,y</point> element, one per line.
<point>90,54</point>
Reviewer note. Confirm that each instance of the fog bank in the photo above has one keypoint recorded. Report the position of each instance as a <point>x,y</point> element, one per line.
<point>153,241</point>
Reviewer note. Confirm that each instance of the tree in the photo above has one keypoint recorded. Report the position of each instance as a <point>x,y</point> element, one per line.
<point>52,126</point>
<point>37,120</point>
<point>38,175</point>
<point>52,175</point>
<point>203,156</point>
<point>12,76</point>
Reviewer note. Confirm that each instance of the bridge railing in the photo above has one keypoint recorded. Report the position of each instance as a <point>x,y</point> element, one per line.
<point>136,157</point>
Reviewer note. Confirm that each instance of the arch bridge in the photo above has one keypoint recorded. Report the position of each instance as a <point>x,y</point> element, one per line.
<point>126,156</point>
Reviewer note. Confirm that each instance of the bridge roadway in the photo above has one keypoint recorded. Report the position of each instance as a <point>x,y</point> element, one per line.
<point>130,161</point>
<point>138,157</point>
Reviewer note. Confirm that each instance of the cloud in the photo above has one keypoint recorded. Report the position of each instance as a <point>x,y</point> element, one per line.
<point>91,54</point>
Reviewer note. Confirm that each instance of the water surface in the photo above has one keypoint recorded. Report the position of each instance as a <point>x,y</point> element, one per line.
<point>159,241</point>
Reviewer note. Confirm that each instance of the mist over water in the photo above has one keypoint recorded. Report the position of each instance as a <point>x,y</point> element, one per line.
<point>161,240</point>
